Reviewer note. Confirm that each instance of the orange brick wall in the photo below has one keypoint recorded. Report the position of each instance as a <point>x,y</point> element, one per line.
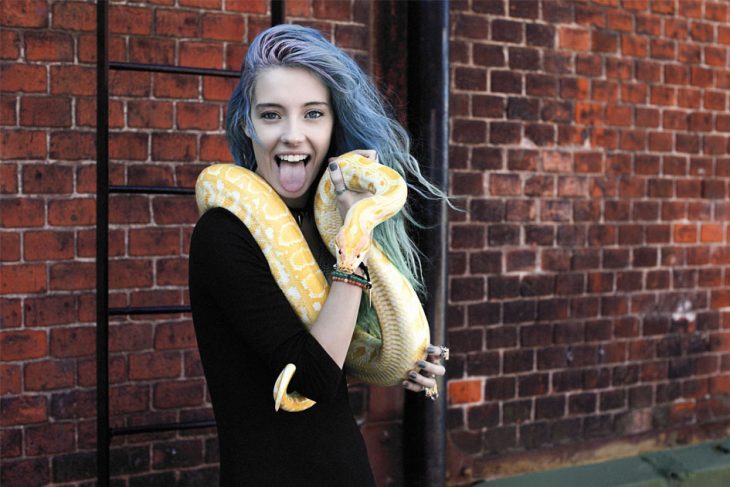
<point>588,303</point>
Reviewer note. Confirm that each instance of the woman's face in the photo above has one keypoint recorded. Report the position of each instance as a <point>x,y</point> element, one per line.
<point>293,120</point>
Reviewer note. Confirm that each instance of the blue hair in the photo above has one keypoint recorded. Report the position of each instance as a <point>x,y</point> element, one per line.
<point>362,121</point>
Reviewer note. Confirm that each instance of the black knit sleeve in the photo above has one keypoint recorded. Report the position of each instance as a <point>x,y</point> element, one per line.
<point>228,267</point>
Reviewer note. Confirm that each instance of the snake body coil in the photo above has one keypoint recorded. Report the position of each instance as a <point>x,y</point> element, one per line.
<point>380,359</point>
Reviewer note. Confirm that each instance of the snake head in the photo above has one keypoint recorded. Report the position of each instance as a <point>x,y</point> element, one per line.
<point>351,252</point>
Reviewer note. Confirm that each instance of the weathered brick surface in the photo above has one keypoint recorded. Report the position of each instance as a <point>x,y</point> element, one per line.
<point>164,130</point>
<point>589,146</point>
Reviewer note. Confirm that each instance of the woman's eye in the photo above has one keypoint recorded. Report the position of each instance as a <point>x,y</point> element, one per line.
<point>269,115</point>
<point>314,114</point>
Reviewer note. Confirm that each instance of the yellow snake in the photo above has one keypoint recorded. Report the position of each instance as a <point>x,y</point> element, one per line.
<point>404,334</point>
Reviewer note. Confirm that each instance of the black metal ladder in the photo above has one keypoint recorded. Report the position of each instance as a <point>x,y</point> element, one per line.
<point>104,432</point>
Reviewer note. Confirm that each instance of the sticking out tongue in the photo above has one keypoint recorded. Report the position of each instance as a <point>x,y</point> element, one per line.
<point>292,176</point>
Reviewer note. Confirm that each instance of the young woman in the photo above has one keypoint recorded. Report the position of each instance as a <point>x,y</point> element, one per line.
<point>300,102</point>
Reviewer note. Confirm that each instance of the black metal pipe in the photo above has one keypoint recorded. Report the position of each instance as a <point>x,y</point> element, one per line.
<point>103,438</point>
<point>150,190</point>
<point>162,427</point>
<point>163,68</point>
<point>151,310</point>
<point>277,12</point>
<point>424,423</point>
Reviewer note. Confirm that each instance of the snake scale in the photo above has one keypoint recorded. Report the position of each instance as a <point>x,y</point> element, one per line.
<point>383,358</point>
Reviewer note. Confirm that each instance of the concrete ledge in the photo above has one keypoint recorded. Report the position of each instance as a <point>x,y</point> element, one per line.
<point>703,465</point>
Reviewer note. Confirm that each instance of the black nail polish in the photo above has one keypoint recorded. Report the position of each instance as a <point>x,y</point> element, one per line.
<point>421,364</point>
<point>412,375</point>
<point>333,166</point>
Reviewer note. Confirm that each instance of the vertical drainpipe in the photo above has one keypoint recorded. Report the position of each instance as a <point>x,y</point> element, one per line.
<point>424,423</point>
<point>103,437</point>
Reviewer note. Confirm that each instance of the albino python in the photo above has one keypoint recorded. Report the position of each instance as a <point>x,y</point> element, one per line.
<point>404,334</point>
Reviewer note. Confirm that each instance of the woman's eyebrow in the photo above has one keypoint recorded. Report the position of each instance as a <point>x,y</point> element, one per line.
<point>260,106</point>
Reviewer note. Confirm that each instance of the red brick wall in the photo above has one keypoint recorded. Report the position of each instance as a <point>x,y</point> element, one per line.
<point>164,130</point>
<point>589,141</point>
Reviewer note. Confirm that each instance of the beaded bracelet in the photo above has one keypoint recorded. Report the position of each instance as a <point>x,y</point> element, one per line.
<point>338,275</point>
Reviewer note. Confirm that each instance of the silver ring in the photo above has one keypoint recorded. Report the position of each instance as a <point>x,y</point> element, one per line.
<point>444,353</point>
<point>340,191</point>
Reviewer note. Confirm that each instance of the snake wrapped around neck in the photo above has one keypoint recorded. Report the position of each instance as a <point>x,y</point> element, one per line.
<point>380,357</point>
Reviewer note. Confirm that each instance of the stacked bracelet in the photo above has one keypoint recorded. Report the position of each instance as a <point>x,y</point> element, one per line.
<point>359,281</point>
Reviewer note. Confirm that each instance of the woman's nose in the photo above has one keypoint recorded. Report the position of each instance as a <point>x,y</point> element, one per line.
<point>293,134</point>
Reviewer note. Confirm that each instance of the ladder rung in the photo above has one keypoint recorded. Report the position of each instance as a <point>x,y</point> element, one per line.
<point>149,310</point>
<point>163,68</point>
<point>158,428</point>
<point>150,190</point>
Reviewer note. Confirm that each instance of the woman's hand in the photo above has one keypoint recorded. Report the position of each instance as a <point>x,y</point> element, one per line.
<point>346,198</point>
<point>423,378</point>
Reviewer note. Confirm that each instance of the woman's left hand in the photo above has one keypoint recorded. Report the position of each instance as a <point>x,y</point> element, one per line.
<point>426,371</point>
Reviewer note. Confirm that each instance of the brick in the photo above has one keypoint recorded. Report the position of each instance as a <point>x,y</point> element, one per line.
<point>218,89</point>
<point>72,145</point>
<point>23,279</point>
<point>199,116</point>
<point>149,114</point>
<point>49,375</point>
<point>201,55</point>
<point>173,147</point>
<point>152,51</point>
<point>10,313</point>
<point>23,410</point>
<point>468,131</point>
<point>176,23</point>
<point>9,247</point>
<point>47,178</point>
<point>507,31</point>
<point>574,39</point>
<point>25,13</point>
<point>174,335</point>
<point>79,211</point>
<point>72,276</point>
<point>130,20</point>
<point>22,144</point>
<point>489,55</point>
<point>48,46</point>
<point>73,80</point>
<point>128,146</point>
<point>8,109</point>
<point>471,26</point>
<point>9,45</point>
<point>72,341</point>
<point>178,394</point>
<point>505,82</point>
<point>23,345</point>
<point>465,391</point>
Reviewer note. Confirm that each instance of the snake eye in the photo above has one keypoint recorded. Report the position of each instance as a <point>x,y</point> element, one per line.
<point>358,256</point>
<point>339,251</point>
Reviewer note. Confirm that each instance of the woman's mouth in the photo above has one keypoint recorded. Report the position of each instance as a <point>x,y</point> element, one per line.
<point>292,171</point>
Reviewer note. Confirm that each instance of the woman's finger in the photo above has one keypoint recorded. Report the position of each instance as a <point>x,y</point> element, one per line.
<point>421,380</point>
<point>337,179</point>
<point>412,386</point>
<point>437,352</point>
<point>430,369</point>
<point>369,153</point>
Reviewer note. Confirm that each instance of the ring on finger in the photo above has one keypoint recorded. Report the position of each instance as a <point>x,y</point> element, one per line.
<point>340,191</point>
<point>444,353</point>
<point>431,392</point>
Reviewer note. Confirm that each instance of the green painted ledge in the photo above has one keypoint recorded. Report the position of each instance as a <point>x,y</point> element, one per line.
<point>703,465</point>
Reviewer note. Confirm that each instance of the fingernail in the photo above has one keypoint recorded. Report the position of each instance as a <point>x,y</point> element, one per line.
<point>412,375</point>
<point>421,364</point>
<point>431,349</point>
<point>333,166</point>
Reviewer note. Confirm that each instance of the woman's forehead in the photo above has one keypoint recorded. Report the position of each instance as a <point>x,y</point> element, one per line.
<point>287,86</point>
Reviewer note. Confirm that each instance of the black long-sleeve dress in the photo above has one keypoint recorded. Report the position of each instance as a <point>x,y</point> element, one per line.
<point>247,332</point>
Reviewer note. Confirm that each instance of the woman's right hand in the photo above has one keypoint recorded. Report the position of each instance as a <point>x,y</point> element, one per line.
<point>346,197</point>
